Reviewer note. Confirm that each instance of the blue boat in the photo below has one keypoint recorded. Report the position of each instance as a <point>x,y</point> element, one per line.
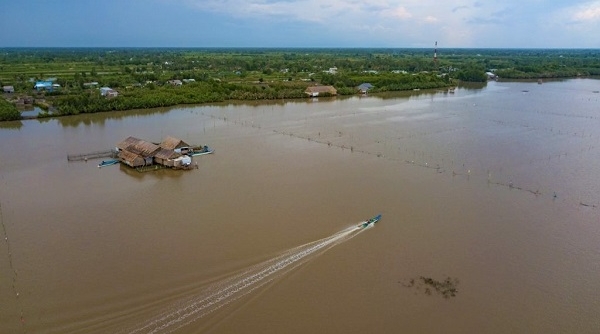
<point>371,221</point>
<point>105,163</point>
<point>202,151</point>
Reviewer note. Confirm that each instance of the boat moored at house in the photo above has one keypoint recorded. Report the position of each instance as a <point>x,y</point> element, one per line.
<point>201,151</point>
<point>171,152</point>
<point>110,162</point>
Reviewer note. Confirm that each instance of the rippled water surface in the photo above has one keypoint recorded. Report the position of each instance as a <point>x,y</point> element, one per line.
<point>495,188</point>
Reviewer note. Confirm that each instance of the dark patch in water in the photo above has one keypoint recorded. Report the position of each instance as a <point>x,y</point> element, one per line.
<point>427,285</point>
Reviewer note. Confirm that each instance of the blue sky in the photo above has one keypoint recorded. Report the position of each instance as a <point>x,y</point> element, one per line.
<point>300,23</point>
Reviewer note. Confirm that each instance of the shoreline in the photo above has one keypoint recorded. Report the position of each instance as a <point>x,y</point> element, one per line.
<point>306,99</point>
<point>46,114</point>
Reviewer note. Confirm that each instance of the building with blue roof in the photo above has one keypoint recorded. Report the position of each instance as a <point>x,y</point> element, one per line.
<point>43,85</point>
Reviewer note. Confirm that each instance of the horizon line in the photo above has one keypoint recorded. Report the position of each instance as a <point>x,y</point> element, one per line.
<point>295,47</point>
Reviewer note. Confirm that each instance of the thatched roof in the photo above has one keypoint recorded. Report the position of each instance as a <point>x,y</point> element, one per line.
<point>321,89</point>
<point>138,146</point>
<point>172,143</point>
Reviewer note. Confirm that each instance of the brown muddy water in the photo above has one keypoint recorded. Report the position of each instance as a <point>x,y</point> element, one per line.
<point>493,188</point>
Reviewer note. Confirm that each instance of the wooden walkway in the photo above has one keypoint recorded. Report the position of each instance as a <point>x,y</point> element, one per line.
<point>150,168</point>
<point>92,155</point>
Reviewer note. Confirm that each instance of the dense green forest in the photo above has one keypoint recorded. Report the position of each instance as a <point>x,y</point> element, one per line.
<point>144,77</point>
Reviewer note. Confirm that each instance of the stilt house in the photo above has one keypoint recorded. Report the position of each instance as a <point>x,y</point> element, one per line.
<point>136,152</point>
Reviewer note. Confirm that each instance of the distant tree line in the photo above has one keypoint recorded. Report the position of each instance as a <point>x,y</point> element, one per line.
<point>386,81</point>
<point>141,74</point>
<point>167,95</point>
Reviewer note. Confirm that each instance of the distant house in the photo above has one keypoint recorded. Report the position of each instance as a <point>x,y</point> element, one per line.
<point>175,82</point>
<point>332,70</point>
<point>8,89</point>
<point>43,85</point>
<point>364,87</point>
<point>90,84</point>
<point>189,80</point>
<point>108,92</point>
<point>314,91</point>
<point>26,100</point>
<point>491,75</point>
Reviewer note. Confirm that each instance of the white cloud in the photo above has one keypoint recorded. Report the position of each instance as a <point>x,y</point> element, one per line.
<point>407,23</point>
<point>399,12</point>
<point>579,12</point>
<point>309,10</point>
<point>588,12</point>
<point>431,19</point>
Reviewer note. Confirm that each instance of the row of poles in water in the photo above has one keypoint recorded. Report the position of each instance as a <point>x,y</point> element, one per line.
<point>418,160</point>
<point>13,271</point>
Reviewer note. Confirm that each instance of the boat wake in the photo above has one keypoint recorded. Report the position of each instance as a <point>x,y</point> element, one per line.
<point>230,289</point>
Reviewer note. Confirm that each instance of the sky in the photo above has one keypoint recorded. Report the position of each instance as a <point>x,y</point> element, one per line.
<point>301,23</point>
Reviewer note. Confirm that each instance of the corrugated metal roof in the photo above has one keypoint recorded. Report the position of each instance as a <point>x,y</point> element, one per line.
<point>138,146</point>
<point>128,142</point>
<point>43,84</point>
<point>172,143</point>
<point>165,153</point>
<point>130,158</point>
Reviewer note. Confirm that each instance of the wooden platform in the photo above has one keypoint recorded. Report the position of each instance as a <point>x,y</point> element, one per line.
<point>92,155</point>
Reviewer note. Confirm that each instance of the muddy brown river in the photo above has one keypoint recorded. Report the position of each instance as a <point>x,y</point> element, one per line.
<point>490,203</point>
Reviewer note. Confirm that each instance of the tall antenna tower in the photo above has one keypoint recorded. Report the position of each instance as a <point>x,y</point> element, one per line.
<point>435,54</point>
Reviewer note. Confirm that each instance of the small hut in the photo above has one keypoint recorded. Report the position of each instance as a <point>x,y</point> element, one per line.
<point>131,159</point>
<point>138,146</point>
<point>175,144</point>
<point>166,157</point>
<point>141,148</point>
<point>364,87</point>
<point>314,91</point>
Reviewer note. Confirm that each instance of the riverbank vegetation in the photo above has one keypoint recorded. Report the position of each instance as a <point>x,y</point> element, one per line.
<point>145,77</point>
<point>8,111</point>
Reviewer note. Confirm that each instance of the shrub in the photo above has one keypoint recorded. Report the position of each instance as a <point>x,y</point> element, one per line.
<point>8,111</point>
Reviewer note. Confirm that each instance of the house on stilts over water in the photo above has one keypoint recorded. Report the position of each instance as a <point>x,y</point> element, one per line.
<point>171,152</point>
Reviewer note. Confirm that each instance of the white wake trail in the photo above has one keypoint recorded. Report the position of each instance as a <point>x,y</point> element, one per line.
<point>231,289</point>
